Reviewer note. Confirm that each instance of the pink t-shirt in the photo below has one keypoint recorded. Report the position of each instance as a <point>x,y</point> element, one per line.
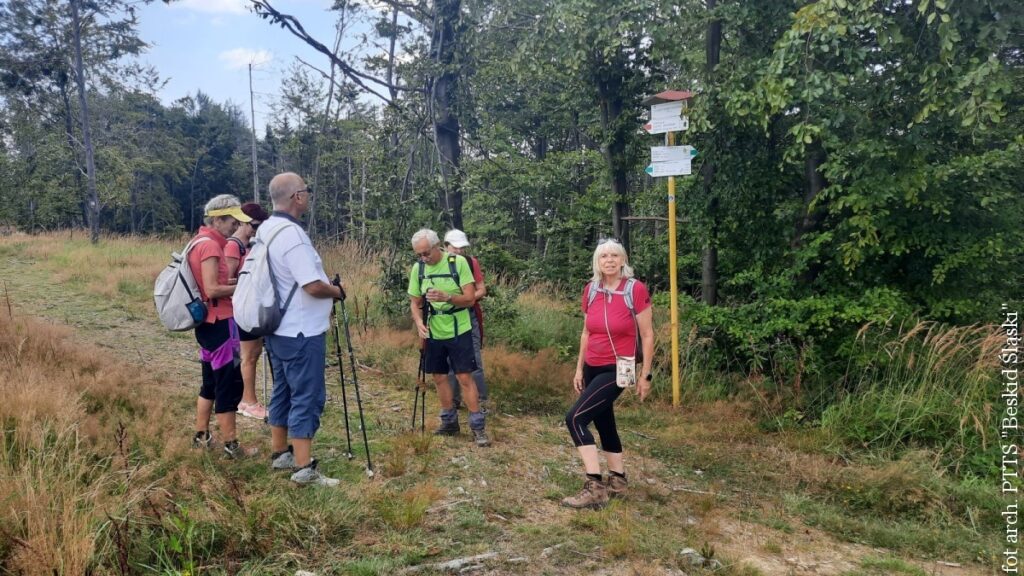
<point>220,308</point>
<point>620,324</point>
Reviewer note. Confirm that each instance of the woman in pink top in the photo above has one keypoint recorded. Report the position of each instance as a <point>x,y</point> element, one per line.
<point>252,346</point>
<point>217,336</point>
<point>610,330</point>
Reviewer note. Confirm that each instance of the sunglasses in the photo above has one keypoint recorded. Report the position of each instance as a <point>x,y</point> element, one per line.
<point>255,225</point>
<point>308,190</point>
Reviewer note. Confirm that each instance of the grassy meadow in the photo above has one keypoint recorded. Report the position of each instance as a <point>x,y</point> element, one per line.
<point>98,476</point>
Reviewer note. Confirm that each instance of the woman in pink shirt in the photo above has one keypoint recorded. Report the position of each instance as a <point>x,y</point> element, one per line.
<point>252,346</point>
<point>217,336</point>
<point>611,331</point>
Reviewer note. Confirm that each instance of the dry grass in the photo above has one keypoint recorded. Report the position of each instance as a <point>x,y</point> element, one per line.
<point>77,488</point>
<point>73,422</point>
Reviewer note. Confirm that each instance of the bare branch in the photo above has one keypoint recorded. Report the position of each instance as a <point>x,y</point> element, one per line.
<point>266,11</point>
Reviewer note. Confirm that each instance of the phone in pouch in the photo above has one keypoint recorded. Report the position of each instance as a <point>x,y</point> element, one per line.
<point>625,371</point>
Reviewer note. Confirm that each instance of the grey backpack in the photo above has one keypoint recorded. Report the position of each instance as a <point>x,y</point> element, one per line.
<point>176,293</point>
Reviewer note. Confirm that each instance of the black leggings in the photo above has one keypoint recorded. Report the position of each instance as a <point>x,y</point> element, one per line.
<point>595,405</point>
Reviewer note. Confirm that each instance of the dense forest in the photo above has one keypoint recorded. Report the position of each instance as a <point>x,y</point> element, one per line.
<point>859,161</point>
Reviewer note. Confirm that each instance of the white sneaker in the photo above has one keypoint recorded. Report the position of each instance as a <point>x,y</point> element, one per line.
<point>309,475</point>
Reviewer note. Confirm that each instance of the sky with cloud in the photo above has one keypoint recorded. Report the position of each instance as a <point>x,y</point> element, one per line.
<point>207,45</point>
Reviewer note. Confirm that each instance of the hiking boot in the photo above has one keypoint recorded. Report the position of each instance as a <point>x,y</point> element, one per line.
<point>283,460</point>
<point>480,438</point>
<point>594,496</point>
<point>234,450</point>
<point>202,440</point>
<point>448,429</point>
<point>616,485</point>
<point>254,410</point>
<point>309,475</point>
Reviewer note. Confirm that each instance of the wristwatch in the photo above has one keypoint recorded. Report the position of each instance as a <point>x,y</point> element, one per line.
<point>649,377</point>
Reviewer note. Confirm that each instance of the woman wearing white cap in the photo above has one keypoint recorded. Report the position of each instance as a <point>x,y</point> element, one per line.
<point>457,242</point>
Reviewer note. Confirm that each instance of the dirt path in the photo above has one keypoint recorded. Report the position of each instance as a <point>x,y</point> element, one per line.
<point>510,491</point>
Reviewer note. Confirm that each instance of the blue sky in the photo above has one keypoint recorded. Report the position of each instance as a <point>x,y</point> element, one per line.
<point>207,44</point>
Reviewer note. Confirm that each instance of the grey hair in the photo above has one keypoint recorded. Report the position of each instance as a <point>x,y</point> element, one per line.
<point>282,187</point>
<point>218,202</point>
<point>614,246</point>
<point>425,234</point>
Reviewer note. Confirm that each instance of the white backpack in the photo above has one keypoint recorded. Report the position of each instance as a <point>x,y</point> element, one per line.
<point>176,293</point>
<point>257,305</point>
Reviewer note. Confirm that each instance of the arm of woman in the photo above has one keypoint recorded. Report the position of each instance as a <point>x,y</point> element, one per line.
<point>646,325</point>
<point>214,289</point>
<point>577,380</point>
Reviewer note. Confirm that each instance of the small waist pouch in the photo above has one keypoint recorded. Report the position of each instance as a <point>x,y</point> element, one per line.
<point>625,371</point>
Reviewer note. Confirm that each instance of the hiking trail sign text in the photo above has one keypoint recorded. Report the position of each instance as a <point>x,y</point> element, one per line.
<point>671,161</point>
<point>667,118</point>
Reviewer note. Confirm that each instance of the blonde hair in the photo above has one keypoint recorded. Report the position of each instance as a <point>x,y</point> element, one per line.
<point>217,203</point>
<point>614,246</point>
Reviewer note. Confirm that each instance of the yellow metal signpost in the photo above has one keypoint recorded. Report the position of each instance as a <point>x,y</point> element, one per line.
<point>667,117</point>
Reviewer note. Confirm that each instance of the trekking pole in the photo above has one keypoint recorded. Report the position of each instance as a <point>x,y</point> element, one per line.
<point>420,390</point>
<point>341,377</point>
<point>355,377</point>
<point>416,392</point>
<point>266,400</point>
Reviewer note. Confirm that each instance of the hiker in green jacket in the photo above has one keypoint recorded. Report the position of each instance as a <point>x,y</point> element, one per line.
<point>441,292</point>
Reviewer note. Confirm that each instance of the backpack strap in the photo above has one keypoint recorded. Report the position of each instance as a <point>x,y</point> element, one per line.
<point>184,261</point>
<point>270,270</point>
<point>627,295</point>
<point>241,246</point>
<point>592,291</point>
<point>454,270</point>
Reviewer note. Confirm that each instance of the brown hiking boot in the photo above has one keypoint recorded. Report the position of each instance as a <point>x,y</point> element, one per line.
<point>594,496</point>
<point>616,486</point>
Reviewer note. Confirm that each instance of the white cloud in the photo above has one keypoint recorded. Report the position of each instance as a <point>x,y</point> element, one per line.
<point>242,57</point>
<point>214,6</point>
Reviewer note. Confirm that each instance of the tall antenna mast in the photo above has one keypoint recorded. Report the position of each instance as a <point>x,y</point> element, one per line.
<point>255,170</point>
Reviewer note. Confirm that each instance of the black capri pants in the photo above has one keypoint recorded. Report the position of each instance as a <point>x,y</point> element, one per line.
<point>595,404</point>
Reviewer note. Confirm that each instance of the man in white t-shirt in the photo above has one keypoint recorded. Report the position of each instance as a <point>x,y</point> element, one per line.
<point>297,348</point>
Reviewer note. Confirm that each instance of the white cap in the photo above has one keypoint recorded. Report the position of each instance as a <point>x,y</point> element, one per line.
<point>456,238</point>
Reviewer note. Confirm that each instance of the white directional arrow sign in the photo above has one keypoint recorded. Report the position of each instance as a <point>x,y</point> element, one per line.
<point>667,118</point>
<point>671,161</point>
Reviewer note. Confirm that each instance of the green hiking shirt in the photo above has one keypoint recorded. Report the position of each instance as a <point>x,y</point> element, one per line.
<point>442,326</point>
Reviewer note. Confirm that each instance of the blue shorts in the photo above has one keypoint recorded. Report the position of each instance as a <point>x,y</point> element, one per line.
<point>455,352</point>
<point>300,391</point>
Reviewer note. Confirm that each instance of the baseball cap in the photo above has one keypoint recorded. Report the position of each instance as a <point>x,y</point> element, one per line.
<point>456,238</point>
<point>255,211</point>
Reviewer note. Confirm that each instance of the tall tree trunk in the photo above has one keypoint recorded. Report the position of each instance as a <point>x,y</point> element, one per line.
<point>614,148</point>
<point>447,131</point>
<point>811,219</point>
<point>709,267</point>
<point>362,201</point>
<point>69,133</point>
<point>90,164</point>
<point>133,206</point>
<point>319,138</point>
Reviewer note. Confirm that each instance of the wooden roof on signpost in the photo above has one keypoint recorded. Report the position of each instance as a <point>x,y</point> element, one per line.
<point>667,96</point>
